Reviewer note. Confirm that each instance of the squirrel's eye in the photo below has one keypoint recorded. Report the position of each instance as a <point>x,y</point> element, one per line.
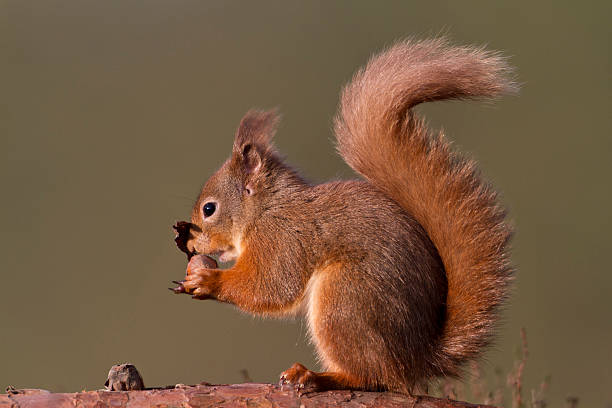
<point>209,209</point>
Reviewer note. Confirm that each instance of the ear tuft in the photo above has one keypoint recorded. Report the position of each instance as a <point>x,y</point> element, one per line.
<point>256,129</point>
<point>253,140</point>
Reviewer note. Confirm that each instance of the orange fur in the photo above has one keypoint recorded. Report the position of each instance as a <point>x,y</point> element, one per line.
<point>443,190</point>
<point>400,276</point>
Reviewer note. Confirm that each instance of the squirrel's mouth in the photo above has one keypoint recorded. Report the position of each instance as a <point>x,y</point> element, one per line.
<point>224,258</point>
<point>184,229</point>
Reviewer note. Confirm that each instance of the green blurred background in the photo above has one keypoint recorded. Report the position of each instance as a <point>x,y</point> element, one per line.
<point>113,113</point>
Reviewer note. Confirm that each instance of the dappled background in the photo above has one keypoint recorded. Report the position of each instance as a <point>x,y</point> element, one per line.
<point>113,113</point>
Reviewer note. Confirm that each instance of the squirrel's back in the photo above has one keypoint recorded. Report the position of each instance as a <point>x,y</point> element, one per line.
<point>380,137</point>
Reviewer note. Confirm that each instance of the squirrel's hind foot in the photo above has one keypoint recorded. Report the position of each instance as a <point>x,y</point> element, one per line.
<point>306,381</point>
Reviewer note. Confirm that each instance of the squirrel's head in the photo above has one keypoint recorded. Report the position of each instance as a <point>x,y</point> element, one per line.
<point>239,192</point>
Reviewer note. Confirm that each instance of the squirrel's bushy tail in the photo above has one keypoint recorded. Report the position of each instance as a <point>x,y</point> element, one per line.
<point>380,137</point>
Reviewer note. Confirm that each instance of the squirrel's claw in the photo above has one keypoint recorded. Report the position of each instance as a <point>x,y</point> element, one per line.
<point>179,289</point>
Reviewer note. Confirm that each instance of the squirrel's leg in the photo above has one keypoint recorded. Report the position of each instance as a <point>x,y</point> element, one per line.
<point>340,318</point>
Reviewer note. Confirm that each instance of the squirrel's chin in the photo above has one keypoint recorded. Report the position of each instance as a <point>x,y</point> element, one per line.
<point>228,256</point>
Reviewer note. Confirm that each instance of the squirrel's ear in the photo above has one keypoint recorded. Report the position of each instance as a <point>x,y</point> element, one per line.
<point>254,138</point>
<point>250,158</point>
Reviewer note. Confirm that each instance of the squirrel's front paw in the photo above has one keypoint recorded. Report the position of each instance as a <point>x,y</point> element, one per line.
<point>202,279</point>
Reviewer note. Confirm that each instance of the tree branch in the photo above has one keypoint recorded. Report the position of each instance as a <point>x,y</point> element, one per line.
<point>206,395</point>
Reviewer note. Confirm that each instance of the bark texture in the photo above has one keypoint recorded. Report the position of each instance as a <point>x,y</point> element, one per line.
<point>237,395</point>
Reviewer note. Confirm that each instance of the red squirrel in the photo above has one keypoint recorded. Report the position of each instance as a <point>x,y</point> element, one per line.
<point>401,275</point>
